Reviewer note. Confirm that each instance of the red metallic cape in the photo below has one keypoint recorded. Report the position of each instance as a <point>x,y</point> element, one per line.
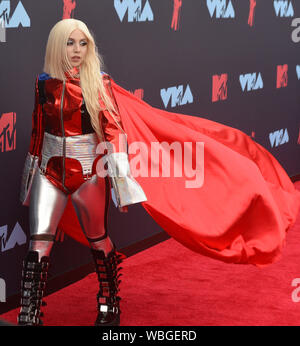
<point>245,206</point>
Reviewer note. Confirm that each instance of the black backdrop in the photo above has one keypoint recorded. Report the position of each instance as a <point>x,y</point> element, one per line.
<point>152,47</point>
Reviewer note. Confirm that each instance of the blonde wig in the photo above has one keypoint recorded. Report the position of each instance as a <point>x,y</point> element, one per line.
<point>57,64</point>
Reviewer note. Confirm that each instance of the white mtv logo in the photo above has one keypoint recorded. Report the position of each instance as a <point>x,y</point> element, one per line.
<point>176,95</point>
<point>17,237</point>
<point>19,16</point>
<point>222,9</point>
<point>279,137</point>
<point>134,9</point>
<point>252,81</point>
<point>283,8</point>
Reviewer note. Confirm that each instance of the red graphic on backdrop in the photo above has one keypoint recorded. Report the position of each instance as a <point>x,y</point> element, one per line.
<point>176,14</point>
<point>69,7</point>
<point>219,87</point>
<point>7,132</point>
<point>251,12</point>
<point>298,141</point>
<point>139,93</point>
<point>282,76</point>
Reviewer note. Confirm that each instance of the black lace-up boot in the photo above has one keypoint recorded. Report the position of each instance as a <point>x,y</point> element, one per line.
<point>34,276</point>
<point>108,275</point>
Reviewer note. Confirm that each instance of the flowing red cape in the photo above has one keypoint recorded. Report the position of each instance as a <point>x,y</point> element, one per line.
<point>243,209</point>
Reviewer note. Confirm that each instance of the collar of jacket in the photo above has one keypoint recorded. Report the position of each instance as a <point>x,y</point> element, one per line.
<point>68,74</point>
<point>73,73</point>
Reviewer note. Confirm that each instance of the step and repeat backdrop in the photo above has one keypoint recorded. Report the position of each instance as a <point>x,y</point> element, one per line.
<point>236,62</point>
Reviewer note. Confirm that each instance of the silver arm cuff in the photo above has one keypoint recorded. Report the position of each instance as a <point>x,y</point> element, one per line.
<point>30,167</point>
<point>126,190</point>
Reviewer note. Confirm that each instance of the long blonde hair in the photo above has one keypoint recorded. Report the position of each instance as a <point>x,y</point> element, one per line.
<point>56,64</point>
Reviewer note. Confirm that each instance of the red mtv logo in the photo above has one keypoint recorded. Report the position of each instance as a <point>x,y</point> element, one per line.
<point>7,131</point>
<point>219,87</point>
<point>176,14</point>
<point>251,12</point>
<point>139,93</point>
<point>69,7</point>
<point>282,76</point>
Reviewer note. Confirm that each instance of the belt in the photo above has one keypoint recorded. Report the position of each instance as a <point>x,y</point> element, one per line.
<point>80,147</point>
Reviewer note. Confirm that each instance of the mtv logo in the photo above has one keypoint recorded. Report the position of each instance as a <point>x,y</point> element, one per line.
<point>68,11</point>
<point>139,93</point>
<point>7,132</point>
<point>19,16</point>
<point>219,87</point>
<point>282,76</point>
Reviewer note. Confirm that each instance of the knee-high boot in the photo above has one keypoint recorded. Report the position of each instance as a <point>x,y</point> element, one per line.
<point>108,276</point>
<point>34,276</point>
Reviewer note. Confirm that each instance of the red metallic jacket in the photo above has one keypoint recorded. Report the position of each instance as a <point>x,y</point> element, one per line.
<point>60,110</point>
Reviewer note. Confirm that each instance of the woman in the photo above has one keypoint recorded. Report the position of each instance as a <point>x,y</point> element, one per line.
<point>239,213</point>
<point>62,162</point>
